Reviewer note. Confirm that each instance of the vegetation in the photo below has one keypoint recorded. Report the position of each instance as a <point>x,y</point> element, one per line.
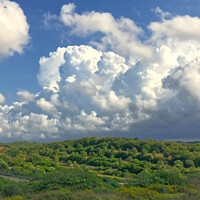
<point>101,168</point>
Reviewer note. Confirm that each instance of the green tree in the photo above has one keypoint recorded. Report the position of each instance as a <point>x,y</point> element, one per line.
<point>189,163</point>
<point>178,164</point>
<point>3,165</point>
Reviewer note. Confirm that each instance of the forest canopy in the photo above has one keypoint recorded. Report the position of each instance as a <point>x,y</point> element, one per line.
<point>104,166</point>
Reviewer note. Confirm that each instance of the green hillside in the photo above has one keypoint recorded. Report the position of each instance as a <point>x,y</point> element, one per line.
<point>101,168</point>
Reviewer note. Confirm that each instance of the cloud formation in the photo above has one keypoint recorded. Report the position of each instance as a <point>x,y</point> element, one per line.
<point>179,27</point>
<point>121,35</point>
<point>25,95</point>
<point>13,28</point>
<point>2,99</point>
<point>93,91</point>
<point>161,13</point>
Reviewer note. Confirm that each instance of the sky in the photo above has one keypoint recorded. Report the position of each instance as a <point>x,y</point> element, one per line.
<point>73,69</point>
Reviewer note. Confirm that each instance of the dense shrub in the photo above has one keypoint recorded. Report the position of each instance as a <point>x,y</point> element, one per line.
<point>11,189</point>
<point>138,193</point>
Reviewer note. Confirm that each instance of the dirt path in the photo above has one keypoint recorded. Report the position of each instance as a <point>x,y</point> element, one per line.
<point>14,178</point>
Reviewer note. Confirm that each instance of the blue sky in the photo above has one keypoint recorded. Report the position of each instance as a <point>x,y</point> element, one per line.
<point>116,68</point>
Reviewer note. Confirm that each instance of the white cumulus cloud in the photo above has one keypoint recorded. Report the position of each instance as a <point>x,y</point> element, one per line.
<point>2,99</point>
<point>13,28</point>
<point>25,95</point>
<point>179,27</point>
<point>121,35</point>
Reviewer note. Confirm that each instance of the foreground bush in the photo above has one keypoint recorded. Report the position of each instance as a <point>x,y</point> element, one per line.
<point>139,193</point>
<point>11,189</point>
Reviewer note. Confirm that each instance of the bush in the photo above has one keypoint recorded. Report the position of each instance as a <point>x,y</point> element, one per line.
<point>138,192</point>
<point>52,195</point>
<point>189,163</point>
<point>74,178</point>
<point>14,198</point>
<point>3,165</point>
<point>146,178</point>
<point>11,189</point>
<point>172,177</point>
<point>164,188</point>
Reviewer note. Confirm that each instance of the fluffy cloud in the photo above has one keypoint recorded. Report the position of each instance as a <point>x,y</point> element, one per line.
<point>121,35</point>
<point>161,13</point>
<point>185,81</point>
<point>86,122</point>
<point>28,127</point>
<point>89,74</point>
<point>47,107</point>
<point>25,95</point>
<point>13,28</point>
<point>179,27</point>
<point>2,99</point>
<point>87,91</point>
<point>49,72</point>
<point>111,102</point>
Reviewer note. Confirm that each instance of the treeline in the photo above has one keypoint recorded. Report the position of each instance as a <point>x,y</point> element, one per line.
<point>119,167</point>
